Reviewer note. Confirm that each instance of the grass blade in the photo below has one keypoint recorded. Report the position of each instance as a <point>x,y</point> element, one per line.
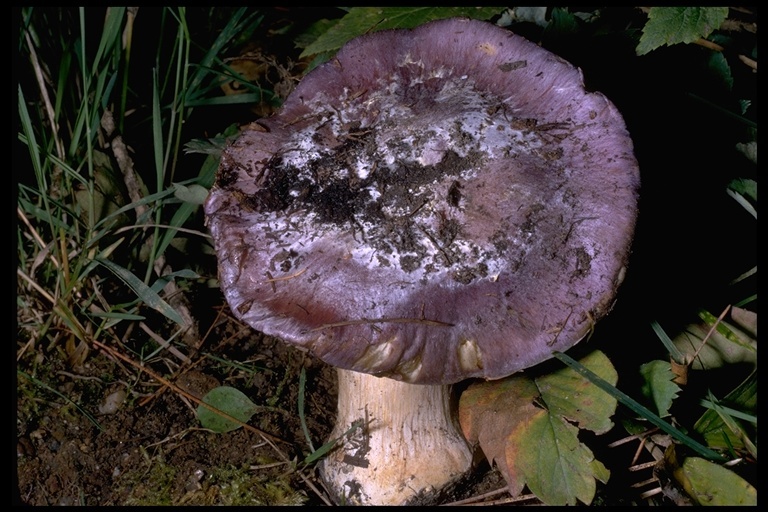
<point>302,384</point>
<point>638,408</point>
<point>144,292</point>
<point>668,344</point>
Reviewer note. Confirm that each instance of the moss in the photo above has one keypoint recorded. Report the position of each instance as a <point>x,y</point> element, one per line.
<point>152,487</point>
<point>241,486</point>
<point>222,486</point>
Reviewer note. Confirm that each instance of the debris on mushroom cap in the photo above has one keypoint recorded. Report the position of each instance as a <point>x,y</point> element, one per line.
<point>430,205</point>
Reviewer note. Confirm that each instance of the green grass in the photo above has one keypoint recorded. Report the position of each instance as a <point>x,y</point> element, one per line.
<point>101,226</point>
<point>90,207</point>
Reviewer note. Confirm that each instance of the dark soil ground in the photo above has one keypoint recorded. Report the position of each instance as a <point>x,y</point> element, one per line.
<point>80,444</point>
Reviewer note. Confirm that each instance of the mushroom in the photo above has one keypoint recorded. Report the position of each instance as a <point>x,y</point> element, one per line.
<point>431,205</point>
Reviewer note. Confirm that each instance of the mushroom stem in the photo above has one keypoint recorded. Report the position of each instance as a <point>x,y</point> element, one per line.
<point>407,446</point>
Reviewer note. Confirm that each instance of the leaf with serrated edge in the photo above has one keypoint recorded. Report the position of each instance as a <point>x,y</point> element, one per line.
<point>555,465</point>
<point>363,20</point>
<point>570,395</point>
<point>672,25</point>
<point>538,446</point>
<point>658,385</point>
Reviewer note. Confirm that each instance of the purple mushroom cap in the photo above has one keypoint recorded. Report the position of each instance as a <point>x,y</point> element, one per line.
<point>430,205</point>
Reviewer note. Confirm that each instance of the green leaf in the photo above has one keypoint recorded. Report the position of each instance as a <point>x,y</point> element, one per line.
<point>562,22</point>
<point>213,146</point>
<point>230,401</point>
<point>568,394</point>
<point>658,385</point>
<point>364,20</point>
<point>673,25</point>
<point>637,408</point>
<point>184,273</point>
<point>489,413</point>
<point>745,186</point>
<point>712,484</point>
<point>540,446</point>
<point>721,430</point>
<point>143,292</point>
<point>719,66</point>
<point>555,465</point>
<point>193,194</point>
<point>314,31</point>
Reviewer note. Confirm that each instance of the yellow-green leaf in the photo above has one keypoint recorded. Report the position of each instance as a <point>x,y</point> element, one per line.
<point>556,466</point>
<point>570,395</point>
<point>524,427</point>
<point>489,413</point>
<point>712,484</point>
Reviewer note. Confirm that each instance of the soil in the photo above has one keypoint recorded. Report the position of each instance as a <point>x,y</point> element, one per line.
<point>111,434</point>
<point>77,444</point>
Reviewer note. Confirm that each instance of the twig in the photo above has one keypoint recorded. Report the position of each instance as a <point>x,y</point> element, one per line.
<point>632,438</point>
<point>34,234</point>
<point>475,500</point>
<point>504,501</point>
<point>640,467</point>
<point>706,43</point>
<point>163,343</point>
<point>204,337</point>
<point>36,286</point>
<point>652,480</point>
<point>267,437</point>
<point>124,162</point>
<point>79,377</point>
<point>480,497</point>
<point>652,492</point>
<point>716,47</point>
<point>711,330</point>
<point>267,466</point>
<point>639,450</point>
<point>285,278</point>
<point>749,62</point>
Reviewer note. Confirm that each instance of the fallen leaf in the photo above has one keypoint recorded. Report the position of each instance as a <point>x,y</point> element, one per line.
<point>230,401</point>
<point>526,427</point>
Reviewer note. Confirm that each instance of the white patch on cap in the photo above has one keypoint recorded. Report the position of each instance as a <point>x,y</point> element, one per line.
<point>469,356</point>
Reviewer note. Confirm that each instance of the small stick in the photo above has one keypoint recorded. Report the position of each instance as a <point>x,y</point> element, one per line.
<point>711,330</point>
<point>285,278</point>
